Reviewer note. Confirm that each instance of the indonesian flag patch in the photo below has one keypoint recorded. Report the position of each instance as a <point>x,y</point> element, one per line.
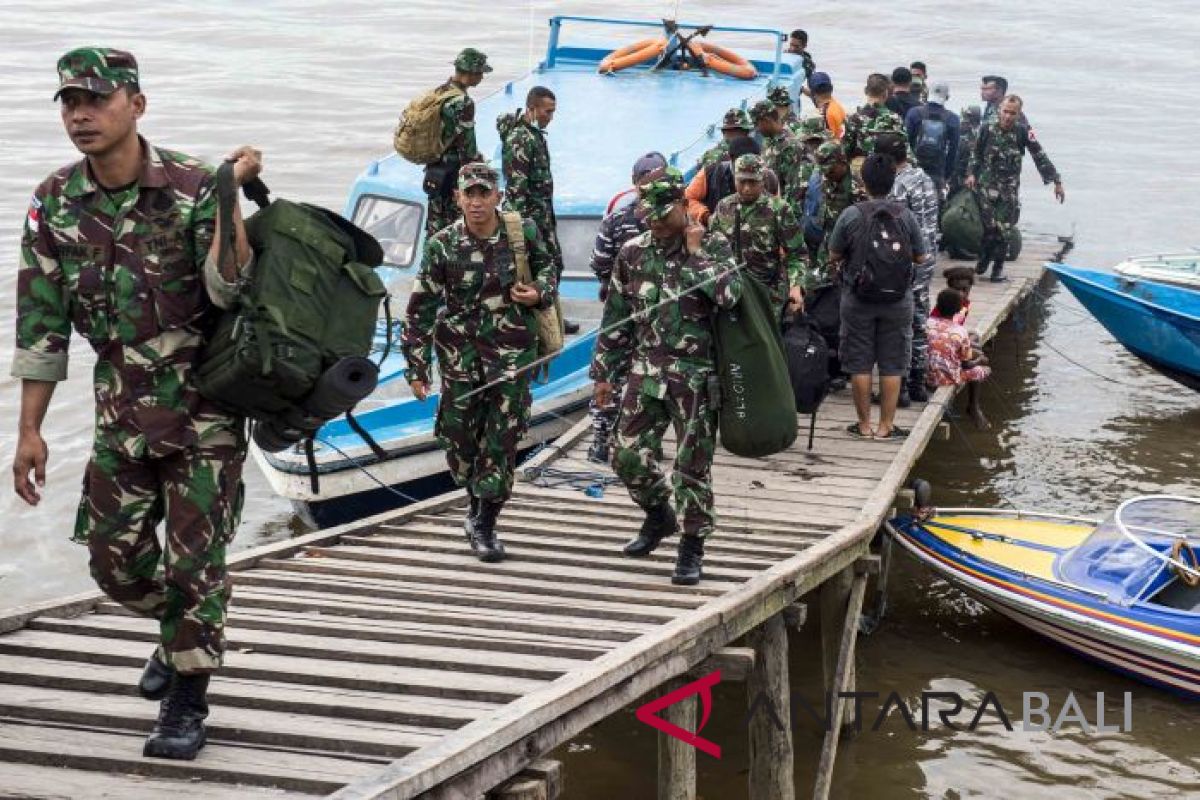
<point>35,215</point>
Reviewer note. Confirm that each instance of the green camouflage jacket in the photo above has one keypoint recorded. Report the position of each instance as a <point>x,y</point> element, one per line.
<point>458,129</point>
<point>528,184</point>
<point>765,237</point>
<point>785,155</point>
<point>865,124</point>
<point>126,270</point>
<point>460,304</point>
<point>997,156</point>
<point>713,155</point>
<point>658,318</point>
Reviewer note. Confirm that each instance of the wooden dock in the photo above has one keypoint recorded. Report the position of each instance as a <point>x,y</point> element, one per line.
<point>379,659</point>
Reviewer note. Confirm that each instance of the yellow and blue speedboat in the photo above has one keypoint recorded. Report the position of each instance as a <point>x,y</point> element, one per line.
<point>1124,592</point>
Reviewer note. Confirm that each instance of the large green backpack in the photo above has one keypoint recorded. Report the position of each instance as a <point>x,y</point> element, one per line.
<point>962,227</point>
<point>306,314</point>
<point>758,408</point>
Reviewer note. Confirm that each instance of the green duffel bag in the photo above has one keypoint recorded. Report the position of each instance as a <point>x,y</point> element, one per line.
<point>757,415</point>
<point>311,300</point>
<point>962,227</point>
<point>962,224</point>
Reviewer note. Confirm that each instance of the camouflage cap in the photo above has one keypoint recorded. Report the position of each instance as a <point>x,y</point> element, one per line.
<point>749,167</point>
<point>779,95</point>
<point>830,153</point>
<point>813,128</point>
<point>761,110</point>
<point>477,173</point>
<point>96,69</point>
<point>736,118</point>
<point>471,60</point>
<point>659,196</point>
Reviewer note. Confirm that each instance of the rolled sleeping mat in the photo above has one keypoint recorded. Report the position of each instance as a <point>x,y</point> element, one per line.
<point>341,387</point>
<point>271,440</point>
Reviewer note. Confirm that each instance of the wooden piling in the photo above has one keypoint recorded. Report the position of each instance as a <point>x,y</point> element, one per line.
<point>676,759</point>
<point>835,600</point>
<point>771,757</point>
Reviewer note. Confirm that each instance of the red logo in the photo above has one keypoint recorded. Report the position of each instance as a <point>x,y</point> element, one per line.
<point>702,687</point>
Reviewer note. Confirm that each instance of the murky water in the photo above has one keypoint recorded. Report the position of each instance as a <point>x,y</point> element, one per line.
<point>1079,423</point>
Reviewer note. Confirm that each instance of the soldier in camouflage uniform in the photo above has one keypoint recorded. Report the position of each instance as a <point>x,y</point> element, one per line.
<point>781,98</point>
<point>616,229</point>
<point>764,234</point>
<point>870,120</point>
<point>813,133</point>
<point>120,247</point>
<point>995,167</point>
<point>658,326</point>
<point>972,118</point>
<point>781,151</point>
<point>840,189</point>
<point>467,302</point>
<point>458,136</point>
<point>735,123</point>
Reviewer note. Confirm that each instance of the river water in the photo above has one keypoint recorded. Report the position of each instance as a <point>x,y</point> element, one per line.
<point>1079,424</point>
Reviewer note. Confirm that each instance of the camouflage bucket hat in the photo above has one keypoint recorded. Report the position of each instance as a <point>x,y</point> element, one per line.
<point>813,128</point>
<point>749,167</point>
<point>659,196</point>
<point>761,110</point>
<point>96,69</point>
<point>736,118</point>
<point>472,60</point>
<point>830,153</point>
<point>477,174</point>
<point>779,95</point>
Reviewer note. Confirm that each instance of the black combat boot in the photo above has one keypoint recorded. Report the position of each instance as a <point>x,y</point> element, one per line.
<point>659,523</point>
<point>903,401</point>
<point>917,391</point>
<point>483,538</point>
<point>998,275</point>
<point>688,570</point>
<point>179,731</point>
<point>981,266</point>
<point>156,679</point>
<point>472,514</point>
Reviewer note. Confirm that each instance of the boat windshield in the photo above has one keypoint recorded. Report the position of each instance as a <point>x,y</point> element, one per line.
<point>1127,553</point>
<point>395,223</point>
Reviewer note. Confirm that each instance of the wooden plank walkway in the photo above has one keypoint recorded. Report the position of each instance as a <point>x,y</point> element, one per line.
<point>379,659</point>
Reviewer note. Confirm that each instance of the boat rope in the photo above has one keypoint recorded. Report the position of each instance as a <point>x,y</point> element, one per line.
<point>359,465</point>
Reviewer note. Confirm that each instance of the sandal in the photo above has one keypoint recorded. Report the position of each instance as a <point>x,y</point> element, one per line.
<point>855,431</point>
<point>895,433</point>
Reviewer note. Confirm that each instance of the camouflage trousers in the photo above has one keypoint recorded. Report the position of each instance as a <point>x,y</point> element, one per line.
<point>198,492</point>
<point>604,418</point>
<point>922,279</point>
<point>480,433</point>
<point>643,421</point>
<point>1001,210</point>
<point>442,211</point>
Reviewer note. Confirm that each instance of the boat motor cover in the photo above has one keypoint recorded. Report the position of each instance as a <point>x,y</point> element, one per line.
<point>757,415</point>
<point>312,299</point>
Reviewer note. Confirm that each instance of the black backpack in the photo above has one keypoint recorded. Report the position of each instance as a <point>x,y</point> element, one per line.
<point>930,145</point>
<point>807,356</point>
<point>881,255</point>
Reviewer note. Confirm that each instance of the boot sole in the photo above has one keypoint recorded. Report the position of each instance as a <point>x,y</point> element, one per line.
<point>162,750</point>
<point>685,580</point>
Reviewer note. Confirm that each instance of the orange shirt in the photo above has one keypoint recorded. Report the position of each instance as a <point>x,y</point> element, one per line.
<point>835,117</point>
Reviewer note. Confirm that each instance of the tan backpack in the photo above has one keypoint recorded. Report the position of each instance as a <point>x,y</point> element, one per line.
<point>549,320</point>
<point>418,136</point>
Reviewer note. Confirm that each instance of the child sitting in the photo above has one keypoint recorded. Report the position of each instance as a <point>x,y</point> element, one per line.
<point>961,279</point>
<point>953,359</point>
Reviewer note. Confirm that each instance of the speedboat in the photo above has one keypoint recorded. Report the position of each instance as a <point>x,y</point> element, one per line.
<point>1178,269</point>
<point>606,120</point>
<point>1156,321</point>
<point>1124,592</point>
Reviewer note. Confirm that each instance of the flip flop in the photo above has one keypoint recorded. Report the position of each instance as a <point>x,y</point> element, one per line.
<point>895,433</point>
<point>854,430</point>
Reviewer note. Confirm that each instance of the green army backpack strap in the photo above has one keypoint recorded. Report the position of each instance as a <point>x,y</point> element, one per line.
<point>418,137</point>
<point>757,414</point>
<point>549,320</point>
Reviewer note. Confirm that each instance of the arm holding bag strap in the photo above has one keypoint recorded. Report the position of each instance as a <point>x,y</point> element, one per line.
<point>549,320</point>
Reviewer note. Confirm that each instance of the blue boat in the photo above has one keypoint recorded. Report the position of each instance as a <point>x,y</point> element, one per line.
<point>1124,592</point>
<point>1156,321</point>
<point>604,123</point>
